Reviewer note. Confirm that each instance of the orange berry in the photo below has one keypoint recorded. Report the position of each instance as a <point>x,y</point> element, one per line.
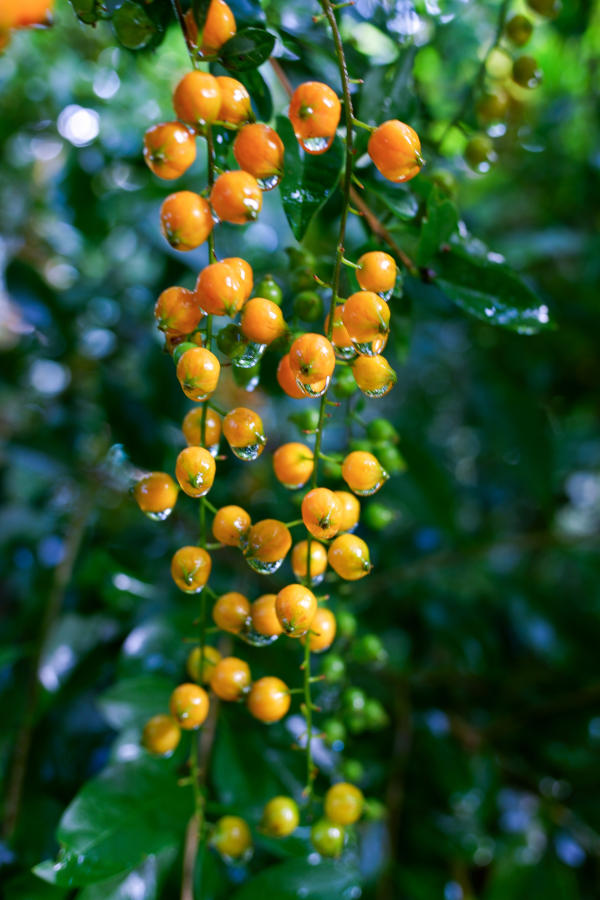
<point>189,705</point>
<point>230,678</point>
<point>190,569</point>
<point>192,428</point>
<point>262,321</point>
<point>219,27</point>
<point>156,494</point>
<point>264,617</point>
<point>201,663</point>
<point>295,606</point>
<point>293,464</point>
<point>269,699</point>
<point>259,150</point>
<point>395,149</point>
<point>342,345</point>
<point>350,510</point>
<point>231,612</point>
<point>322,631</point>
<point>198,373</point>
<point>343,804</point>
<point>268,544</point>
<point>219,291</point>
<point>197,99</point>
<point>236,197</point>
<point>366,318</point>
<point>195,471</point>
<point>161,735</point>
<point>314,113</point>
<point>231,837</point>
<point>363,473</point>
<point>169,149</point>
<point>374,375</point>
<point>312,358</point>
<point>318,561</point>
<point>185,220</point>
<point>377,272</point>
<point>177,311</point>
<point>287,379</point>
<point>235,101</point>
<point>24,13</point>
<point>349,556</point>
<point>244,432</point>
<point>231,525</point>
<point>322,513</point>
<point>243,273</point>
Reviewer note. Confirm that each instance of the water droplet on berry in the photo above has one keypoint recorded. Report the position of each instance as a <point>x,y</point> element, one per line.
<point>264,568</point>
<point>255,639</point>
<point>315,144</point>
<point>267,184</point>
<point>380,391</point>
<point>250,452</point>
<point>313,581</point>
<point>250,356</point>
<point>159,516</point>
<point>348,352</point>
<point>370,348</point>
<point>314,390</point>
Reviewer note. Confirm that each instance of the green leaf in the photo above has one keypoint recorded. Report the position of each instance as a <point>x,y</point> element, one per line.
<point>297,878</point>
<point>200,12</point>
<point>490,291</point>
<point>133,26</point>
<point>127,813</point>
<point>133,701</point>
<point>308,180</point>
<point>259,92</point>
<point>440,224</point>
<point>247,49</point>
<point>88,11</point>
<point>142,883</point>
<point>521,882</point>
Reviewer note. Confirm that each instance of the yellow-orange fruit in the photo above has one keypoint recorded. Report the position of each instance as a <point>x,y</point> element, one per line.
<point>322,631</point>
<point>197,99</point>
<point>231,612</point>
<point>169,149</point>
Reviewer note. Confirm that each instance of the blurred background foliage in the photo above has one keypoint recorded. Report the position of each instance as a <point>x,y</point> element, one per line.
<point>485,589</point>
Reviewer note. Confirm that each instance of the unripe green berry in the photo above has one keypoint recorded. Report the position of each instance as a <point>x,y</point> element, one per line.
<point>389,457</point>
<point>327,838</point>
<point>361,444</point>
<point>377,516</point>
<point>346,624</point>
<point>306,420</point>
<point>332,470</point>
<point>353,770</point>
<point>548,8</point>
<point>268,288</point>
<point>526,72</point>
<point>180,349</point>
<point>375,715</point>
<point>354,700</point>
<point>479,152</point>
<point>344,384</point>
<point>308,306</point>
<point>334,731</point>
<point>333,667</point>
<point>519,29</point>
<point>231,341</point>
<point>373,810</point>
<point>382,430</point>
<point>369,649</point>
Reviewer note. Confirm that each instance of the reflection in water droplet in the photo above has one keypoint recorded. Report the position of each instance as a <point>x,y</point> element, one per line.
<point>249,452</point>
<point>312,582</point>
<point>267,184</point>
<point>313,390</point>
<point>375,488</point>
<point>345,352</point>
<point>371,348</point>
<point>316,144</point>
<point>159,516</point>
<point>250,356</point>
<point>264,568</point>
<point>381,391</point>
<point>252,637</point>
<point>213,450</point>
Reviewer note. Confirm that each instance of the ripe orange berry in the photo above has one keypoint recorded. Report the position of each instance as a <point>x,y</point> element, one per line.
<point>190,569</point>
<point>314,113</point>
<point>374,375</point>
<point>231,836</point>
<point>230,678</point>
<point>244,432</point>
<point>264,617</point>
<point>192,428</point>
<point>189,705</point>
<point>198,373</point>
<point>169,149</point>
<point>177,311</point>
<point>395,149</point>
<point>350,510</point>
<point>197,99</point>
<point>235,101</point>
<point>185,220</point>
<point>287,379</point>
<point>156,494</point>
<point>219,27</point>
<point>24,13</point>
<point>312,358</point>
<point>243,273</point>
<point>268,544</point>
<point>342,345</point>
<point>295,607</point>
<point>280,817</point>
<point>201,663</point>
<point>363,473</point>
<point>343,803</point>
<point>349,556</point>
<point>293,464</point>
<point>258,149</point>
<point>366,318</point>
<point>236,197</point>
<point>322,631</point>
<point>161,735</point>
<point>322,513</point>
<point>231,525</point>
<point>377,272</point>
<point>231,612</point>
<point>219,291</point>
<point>262,321</point>
<point>318,562</point>
<point>269,700</point>
<point>195,471</point>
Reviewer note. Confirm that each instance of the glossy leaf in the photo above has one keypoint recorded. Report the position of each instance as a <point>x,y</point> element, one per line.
<point>248,49</point>
<point>200,11</point>
<point>259,92</point>
<point>140,884</point>
<point>308,180</point>
<point>490,291</point>
<point>439,225</point>
<point>133,701</point>
<point>297,878</point>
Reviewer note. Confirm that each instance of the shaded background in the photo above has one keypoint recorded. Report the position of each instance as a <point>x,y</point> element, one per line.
<point>485,588</point>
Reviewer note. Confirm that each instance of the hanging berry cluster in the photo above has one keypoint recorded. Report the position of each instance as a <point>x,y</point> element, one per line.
<point>353,340</point>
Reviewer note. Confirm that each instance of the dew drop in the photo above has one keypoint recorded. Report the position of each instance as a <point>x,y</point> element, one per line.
<point>314,390</point>
<point>380,391</point>
<point>313,581</point>
<point>370,348</point>
<point>159,516</point>
<point>255,639</point>
<point>264,568</point>
<point>345,352</point>
<point>316,144</point>
<point>250,356</point>
<point>267,184</point>
<point>250,452</point>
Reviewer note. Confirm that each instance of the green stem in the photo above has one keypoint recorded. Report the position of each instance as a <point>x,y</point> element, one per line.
<point>308,714</point>
<point>206,502</point>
